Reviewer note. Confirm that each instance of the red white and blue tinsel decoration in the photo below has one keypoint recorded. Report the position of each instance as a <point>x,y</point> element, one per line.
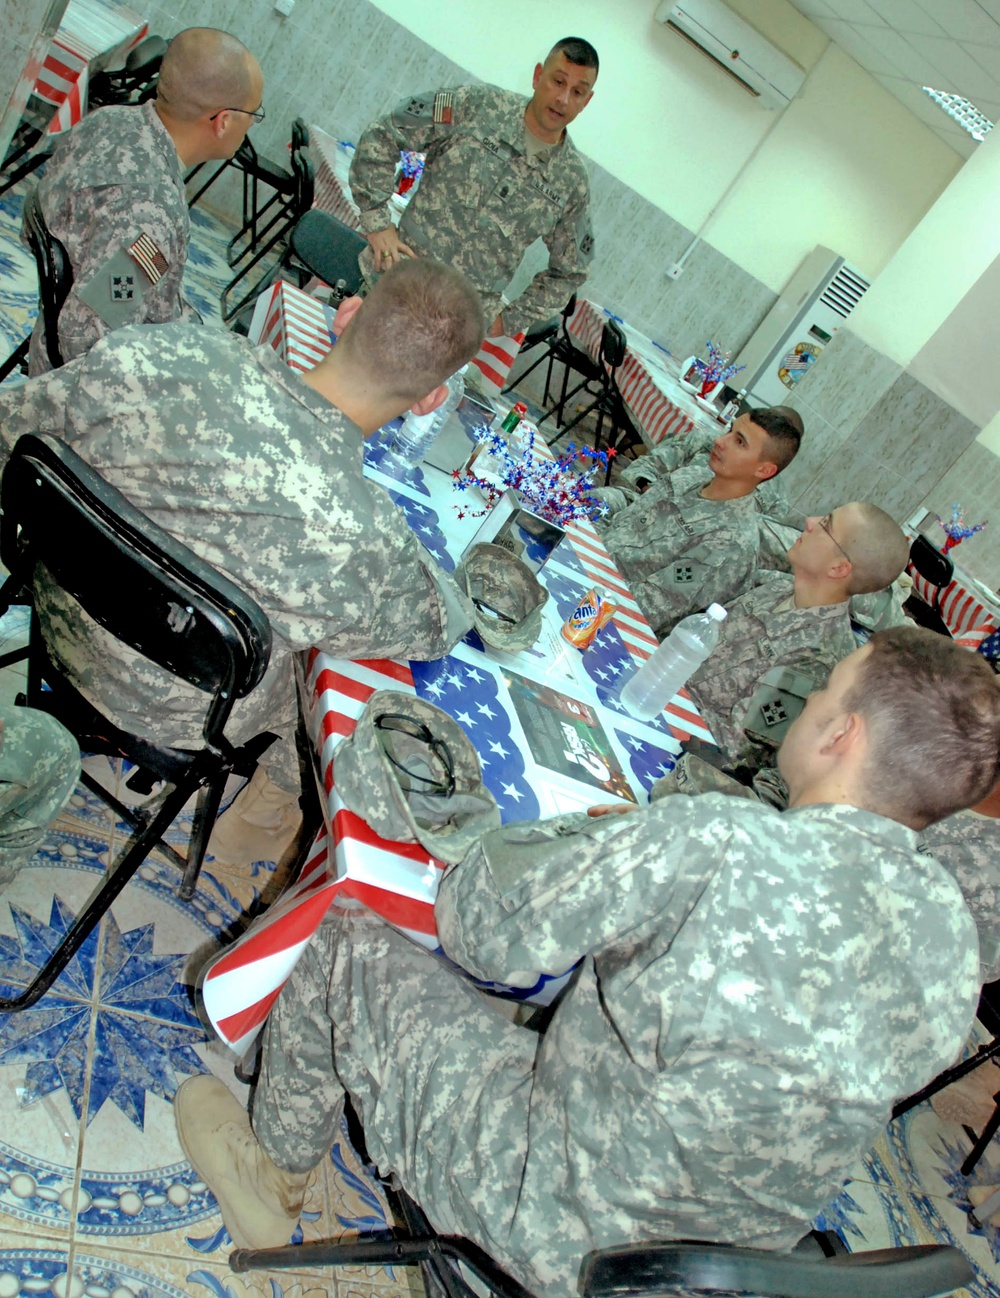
<point>557,490</point>
<point>717,368</point>
<point>411,168</point>
<point>956,529</point>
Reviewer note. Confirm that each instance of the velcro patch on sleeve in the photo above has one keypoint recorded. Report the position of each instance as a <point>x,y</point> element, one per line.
<point>444,103</point>
<point>147,256</point>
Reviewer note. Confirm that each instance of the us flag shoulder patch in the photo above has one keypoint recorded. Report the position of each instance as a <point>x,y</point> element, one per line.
<point>444,102</point>
<point>148,257</point>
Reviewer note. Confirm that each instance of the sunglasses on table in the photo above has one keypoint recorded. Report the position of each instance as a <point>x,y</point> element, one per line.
<point>390,723</point>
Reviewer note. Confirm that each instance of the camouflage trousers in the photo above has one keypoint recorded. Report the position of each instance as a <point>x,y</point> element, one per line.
<point>441,1081</point>
<point>39,768</point>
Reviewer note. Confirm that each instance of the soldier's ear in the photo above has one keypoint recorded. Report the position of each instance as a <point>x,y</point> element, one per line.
<point>432,400</point>
<point>346,312</point>
<point>765,469</point>
<point>537,77</point>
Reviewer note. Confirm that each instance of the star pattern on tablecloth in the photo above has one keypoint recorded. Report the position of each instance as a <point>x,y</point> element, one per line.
<point>472,696</point>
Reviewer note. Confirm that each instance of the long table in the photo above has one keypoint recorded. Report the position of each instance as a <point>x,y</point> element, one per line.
<point>495,697</point>
<point>648,377</point>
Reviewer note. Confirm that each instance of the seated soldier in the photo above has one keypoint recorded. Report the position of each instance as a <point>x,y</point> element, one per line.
<point>691,539</point>
<point>113,191</point>
<point>756,988</point>
<point>39,768</point>
<point>784,635</point>
<point>259,471</point>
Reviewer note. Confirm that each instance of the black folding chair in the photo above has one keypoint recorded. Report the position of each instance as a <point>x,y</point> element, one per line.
<point>937,570</point>
<point>608,402</point>
<point>55,279</point>
<point>132,84</point>
<point>819,1267</point>
<point>562,349</point>
<point>63,524</point>
<point>323,247</point>
<point>278,233</point>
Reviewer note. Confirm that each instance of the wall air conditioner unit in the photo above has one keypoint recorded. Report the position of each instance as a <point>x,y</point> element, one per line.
<point>737,48</point>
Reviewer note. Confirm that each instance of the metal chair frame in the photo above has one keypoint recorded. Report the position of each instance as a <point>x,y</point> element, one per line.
<point>55,280</point>
<point>155,596</point>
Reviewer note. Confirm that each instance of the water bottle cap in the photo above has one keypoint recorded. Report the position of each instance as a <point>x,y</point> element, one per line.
<point>717,613</point>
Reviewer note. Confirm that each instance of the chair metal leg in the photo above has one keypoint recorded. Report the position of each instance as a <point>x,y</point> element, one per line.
<point>18,359</point>
<point>985,1139</point>
<point>208,183</point>
<point>25,169</point>
<point>98,904</point>
<point>204,818</point>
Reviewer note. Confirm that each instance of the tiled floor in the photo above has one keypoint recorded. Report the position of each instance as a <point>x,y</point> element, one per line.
<point>95,1196</point>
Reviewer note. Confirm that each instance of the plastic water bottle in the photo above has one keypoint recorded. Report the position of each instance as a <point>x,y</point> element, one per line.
<point>672,663</point>
<point>418,432</point>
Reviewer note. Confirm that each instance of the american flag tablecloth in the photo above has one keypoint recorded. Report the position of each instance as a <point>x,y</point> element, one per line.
<point>964,613</point>
<point>651,391</point>
<point>91,32</point>
<point>399,881</point>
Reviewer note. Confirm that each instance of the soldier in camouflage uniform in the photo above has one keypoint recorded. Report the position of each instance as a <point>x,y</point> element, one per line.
<point>968,846</point>
<point>113,192</point>
<point>500,172</point>
<point>39,768</point>
<point>690,539</point>
<point>783,637</point>
<point>755,989</point>
<point>259,471</point>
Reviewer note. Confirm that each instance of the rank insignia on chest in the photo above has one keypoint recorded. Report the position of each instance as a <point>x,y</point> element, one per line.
<point>123,288</point>
<point>444,103</point>
<point>148,257</point>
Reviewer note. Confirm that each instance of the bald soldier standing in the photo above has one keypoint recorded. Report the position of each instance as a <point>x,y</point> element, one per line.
<point>113,192</point>
<point>500,172</point>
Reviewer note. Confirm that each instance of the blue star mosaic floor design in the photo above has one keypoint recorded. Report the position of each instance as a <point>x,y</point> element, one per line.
<point>140,1005</point>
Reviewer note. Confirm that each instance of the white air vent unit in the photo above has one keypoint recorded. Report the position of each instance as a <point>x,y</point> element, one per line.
<point>737,48</point>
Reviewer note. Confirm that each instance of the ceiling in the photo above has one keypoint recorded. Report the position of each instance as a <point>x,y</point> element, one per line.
<point>952,45</point>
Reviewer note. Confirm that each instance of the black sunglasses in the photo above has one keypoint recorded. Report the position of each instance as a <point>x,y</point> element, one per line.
<point>395,722</point>
<point>483,607</point>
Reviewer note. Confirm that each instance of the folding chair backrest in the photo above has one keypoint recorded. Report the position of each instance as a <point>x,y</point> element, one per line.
<point>55,275</point>
<point>143,587</point>
<point>612,345</point>
<point>300,134</point>
<point>935,567</point>
<point>305,181</point>
<point>329,249</point>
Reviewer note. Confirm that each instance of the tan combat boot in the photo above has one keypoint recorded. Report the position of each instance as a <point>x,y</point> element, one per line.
<point>258,826</point>
<point>260,1203</point>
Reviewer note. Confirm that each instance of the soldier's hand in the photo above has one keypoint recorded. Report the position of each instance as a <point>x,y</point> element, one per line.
<point>611,809</point>
<point>388,249</point>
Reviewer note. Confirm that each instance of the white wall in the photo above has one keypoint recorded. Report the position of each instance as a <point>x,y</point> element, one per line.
<point>848,166</point>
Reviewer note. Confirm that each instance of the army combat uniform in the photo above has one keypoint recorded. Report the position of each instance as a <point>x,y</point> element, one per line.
<point>766,636</point>
<point>482,200</point>
<point>39,768</point>
<point>232,453</point>
<point>756,989</point>
<point>677,551</point>
<point>968,846</point>
<point>113,194</point>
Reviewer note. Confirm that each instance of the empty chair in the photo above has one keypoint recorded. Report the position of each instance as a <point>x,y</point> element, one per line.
<point>937,570</point>
<point>62,521</point>
<point>55,279</point>
<point>135,82</point>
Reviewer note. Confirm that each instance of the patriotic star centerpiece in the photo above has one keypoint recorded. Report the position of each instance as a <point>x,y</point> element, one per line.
<point>716,369</point>
<point>559,491</point>
<point>956,529</point>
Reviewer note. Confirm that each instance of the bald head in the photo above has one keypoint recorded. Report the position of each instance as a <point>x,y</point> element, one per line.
<point>205,70</point>
<point>421,322</point>
<point>876,544</point>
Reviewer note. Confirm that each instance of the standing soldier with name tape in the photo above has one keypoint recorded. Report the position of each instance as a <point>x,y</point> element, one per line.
<point>500,172</point>
<point>113,192</point>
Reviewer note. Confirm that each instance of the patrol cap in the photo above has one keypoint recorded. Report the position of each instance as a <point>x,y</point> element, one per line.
<point>507,596</point>
<point>411,773</point>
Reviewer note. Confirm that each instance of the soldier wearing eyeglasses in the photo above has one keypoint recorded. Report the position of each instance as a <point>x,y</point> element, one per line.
<point>113,192</point>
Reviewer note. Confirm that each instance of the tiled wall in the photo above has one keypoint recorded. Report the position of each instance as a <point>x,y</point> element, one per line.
<point>873,432</point>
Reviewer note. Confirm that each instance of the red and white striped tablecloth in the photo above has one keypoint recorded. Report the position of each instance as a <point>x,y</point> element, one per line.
<point>91,32</point>
<point>659,404</point>
<point>964,613</point>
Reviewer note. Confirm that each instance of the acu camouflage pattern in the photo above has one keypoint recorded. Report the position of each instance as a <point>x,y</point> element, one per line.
<point>679,552</point>
<point>374,788</point>
<point>756,989</point>
<point>968,846</point>
<point>498,583</point>
<point>114,175</point>
<point>39,768</point>
<point>481,202</point>
<point>764,630</point>
<point>237,457</point>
